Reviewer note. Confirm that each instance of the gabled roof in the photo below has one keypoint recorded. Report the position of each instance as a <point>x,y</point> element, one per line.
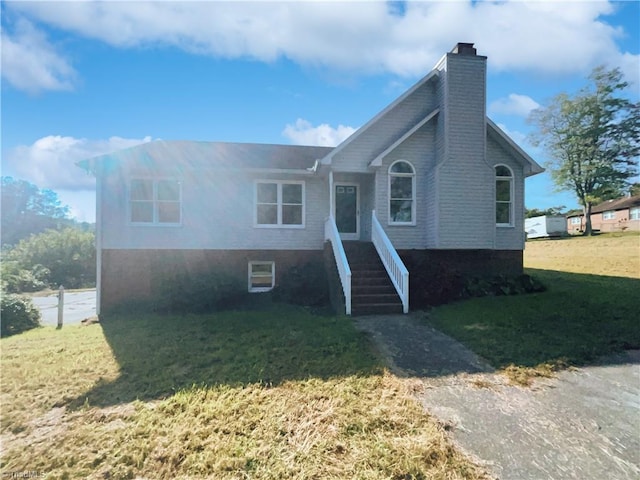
<point>433,75</point>
<point>376,162</point>
<point>531,166</point>
<point>213,155</point>
<point>617,204</point>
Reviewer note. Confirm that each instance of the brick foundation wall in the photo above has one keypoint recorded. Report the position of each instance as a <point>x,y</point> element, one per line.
<point>467,262</point>
<point>132,276</point>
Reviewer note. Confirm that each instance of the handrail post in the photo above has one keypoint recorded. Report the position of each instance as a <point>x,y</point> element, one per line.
<point>392,262</point>
<point>344,271</point>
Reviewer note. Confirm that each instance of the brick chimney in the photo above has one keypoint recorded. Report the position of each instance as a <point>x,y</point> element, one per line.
<point>464,49</point>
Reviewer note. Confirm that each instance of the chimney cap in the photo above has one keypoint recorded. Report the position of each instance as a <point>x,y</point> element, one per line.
<point>462,48</point>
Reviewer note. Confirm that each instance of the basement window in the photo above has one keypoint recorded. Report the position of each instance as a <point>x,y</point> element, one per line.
<point>261,276</point>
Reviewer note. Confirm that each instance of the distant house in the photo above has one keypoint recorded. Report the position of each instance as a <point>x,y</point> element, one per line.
<point>610,216</point>
<point>428,179</point>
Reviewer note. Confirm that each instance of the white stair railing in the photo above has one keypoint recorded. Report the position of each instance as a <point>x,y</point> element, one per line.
<point>391,260</point>
<point>331,233</point>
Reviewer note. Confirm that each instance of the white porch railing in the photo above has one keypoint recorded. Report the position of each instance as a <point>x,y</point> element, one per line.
<point>331,233</point>
<point>391,260</point>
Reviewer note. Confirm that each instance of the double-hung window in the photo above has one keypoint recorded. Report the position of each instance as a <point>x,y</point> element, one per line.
<point>504,196</point>
<point>402,193</point>
<point>609,215</point>
<point>576,220</point>
<point>634,213</point>
<point>279,204</point>
<point>155,201</point>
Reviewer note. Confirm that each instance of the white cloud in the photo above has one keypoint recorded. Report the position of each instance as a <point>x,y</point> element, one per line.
<point>303,133</point>
<point>50,161</point>
<point>31,63</point>
<point>514,104</point>
<point>551,37</point>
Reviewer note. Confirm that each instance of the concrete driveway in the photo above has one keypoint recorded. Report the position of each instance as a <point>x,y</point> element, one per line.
<point>78,305</point>
<point>583,424</point>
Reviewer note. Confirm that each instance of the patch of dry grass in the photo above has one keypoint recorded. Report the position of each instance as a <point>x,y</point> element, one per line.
<point>589,310</point>
<point>607,254</point>
<point>352,425</point>
<point>525,376</point>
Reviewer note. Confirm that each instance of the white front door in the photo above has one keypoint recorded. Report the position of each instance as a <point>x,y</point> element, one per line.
<point>347,210</point>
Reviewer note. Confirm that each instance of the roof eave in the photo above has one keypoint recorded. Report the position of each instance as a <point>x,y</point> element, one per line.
<point>376,162</point>
<point>431,76</point>
<point>531,166</point>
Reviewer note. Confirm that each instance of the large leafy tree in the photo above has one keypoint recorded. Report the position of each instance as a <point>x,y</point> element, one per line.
<point>55,257</point>
<point>27,210</point>
<point>592,139</point>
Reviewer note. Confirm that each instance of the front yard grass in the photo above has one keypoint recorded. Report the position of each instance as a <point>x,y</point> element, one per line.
<point>274,394</point>
<point>581,317</point>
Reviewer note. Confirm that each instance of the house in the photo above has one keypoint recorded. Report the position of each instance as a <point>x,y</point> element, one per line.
<point>428,179</point>
<point>610,216</point>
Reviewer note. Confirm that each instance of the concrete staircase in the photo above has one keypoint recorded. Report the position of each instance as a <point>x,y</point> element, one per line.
<point>372,292</point>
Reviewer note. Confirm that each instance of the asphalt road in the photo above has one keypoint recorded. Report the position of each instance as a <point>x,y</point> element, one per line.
<point>78,305</point>
<point>582,425</point>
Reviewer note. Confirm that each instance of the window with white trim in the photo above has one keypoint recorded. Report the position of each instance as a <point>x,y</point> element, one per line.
<point>155,201</point>
<point>609,215</point>
<point>576,220</point>
<point>402,193</point>
<point>504,196</point>
<point>279,204</point>
<point>634,213</point>
<point>261,276</point>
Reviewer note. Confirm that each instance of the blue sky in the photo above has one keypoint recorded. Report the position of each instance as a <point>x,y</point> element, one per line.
<point>84,78</point>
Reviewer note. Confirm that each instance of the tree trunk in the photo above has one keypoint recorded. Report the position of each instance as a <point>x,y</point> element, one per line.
<point>588,230</point>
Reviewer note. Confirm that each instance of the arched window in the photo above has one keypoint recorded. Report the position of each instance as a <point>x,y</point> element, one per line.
<point>402,193</point>
<point>504,196</point>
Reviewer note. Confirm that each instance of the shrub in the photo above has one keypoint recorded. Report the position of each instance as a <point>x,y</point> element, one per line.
<point>306,285</point>
<point>502,285</point>
<point>200,293</point>
<point>434,284</point>
<point>16,279</point>
<point>56,257</point>
<point>18,314</point>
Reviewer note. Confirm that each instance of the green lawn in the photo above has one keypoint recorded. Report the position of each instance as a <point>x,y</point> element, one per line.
<point>580,317</point>
<point>280,393</point>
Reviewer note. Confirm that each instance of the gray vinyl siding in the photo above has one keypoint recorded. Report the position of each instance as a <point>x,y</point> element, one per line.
<point>509,238</point>
<point>455,182</point>
<point>389,128</point>
<point>418,150</point>
<point>465,180</point>
<point>217,213</point>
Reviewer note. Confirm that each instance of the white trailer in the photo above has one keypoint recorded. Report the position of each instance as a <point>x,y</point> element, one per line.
<point>545,226</point>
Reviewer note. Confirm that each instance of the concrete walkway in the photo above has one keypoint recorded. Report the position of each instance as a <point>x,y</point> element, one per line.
<point>584,424</point>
